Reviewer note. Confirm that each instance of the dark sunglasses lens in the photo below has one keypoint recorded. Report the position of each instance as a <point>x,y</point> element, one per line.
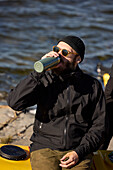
<point>56,49</point>
<point>65,52</point>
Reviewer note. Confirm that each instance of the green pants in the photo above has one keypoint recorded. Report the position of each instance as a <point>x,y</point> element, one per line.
<point>47,159</point>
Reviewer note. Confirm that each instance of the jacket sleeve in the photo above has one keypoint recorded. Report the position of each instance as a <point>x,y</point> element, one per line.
<point>93,139</point>
<point>25,94</point>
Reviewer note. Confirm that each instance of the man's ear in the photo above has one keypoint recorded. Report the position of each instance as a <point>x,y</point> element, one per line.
<point>78,59</point>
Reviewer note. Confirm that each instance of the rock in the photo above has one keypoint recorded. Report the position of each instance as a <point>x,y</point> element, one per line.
<point>6,113</point>
<point>110,147</point>
<point>15,127</point>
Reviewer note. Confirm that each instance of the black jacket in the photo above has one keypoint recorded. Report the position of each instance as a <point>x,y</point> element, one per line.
<point>70,110</point>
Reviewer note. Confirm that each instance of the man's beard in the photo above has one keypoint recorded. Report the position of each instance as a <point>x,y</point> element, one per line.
<point>67,67</point>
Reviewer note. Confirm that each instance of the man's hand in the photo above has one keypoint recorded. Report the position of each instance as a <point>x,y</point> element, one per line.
<point>69,160</point>
<point>50,54</point>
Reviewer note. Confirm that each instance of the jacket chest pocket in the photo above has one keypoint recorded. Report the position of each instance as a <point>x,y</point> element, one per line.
<point>81,110</point>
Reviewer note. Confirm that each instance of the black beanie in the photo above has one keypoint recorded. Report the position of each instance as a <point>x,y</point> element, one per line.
<point>76,43</point>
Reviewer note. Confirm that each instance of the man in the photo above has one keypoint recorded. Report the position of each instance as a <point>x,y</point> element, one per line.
<point>109,108</point>
<point>70,118</point>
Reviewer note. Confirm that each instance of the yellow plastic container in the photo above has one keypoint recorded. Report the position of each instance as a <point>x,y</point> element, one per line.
<point>106,77</point>
<point>6,164</point>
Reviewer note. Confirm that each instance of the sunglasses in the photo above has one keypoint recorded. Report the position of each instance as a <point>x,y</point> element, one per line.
<point>63,51</point>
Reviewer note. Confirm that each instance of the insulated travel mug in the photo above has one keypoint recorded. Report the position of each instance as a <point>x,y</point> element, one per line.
<point>46,63</point>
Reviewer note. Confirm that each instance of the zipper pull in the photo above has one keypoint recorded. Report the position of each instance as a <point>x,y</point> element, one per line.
<point>40,126</point>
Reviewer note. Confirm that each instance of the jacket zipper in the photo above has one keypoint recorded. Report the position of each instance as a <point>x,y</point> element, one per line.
<point>67,117</point>
<point>65,131</point>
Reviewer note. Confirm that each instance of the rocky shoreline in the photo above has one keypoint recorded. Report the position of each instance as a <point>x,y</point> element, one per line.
<point>17,127</point>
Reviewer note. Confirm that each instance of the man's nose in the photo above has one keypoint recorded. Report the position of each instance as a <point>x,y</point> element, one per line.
<point>60,52</point>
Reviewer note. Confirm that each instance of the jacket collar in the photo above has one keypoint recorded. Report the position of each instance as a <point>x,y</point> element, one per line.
<point>49,77</point>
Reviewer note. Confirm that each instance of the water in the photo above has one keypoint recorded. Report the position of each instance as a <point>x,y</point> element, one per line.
<point>28,30</point>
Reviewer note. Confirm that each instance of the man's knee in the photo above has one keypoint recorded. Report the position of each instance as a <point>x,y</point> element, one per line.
<point>44,159</point>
